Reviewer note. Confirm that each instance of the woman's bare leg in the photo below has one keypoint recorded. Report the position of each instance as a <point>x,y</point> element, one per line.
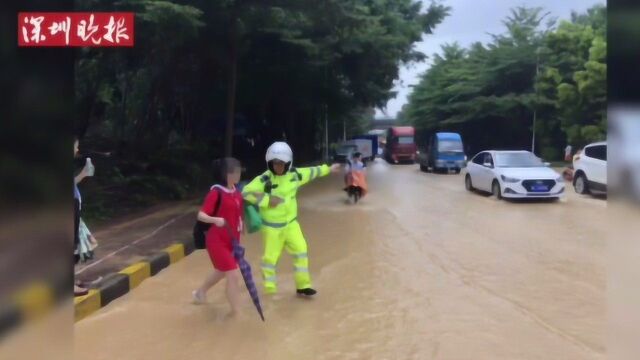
<point>200,294</point>
<point>233,290</point>
<point>211,280</point>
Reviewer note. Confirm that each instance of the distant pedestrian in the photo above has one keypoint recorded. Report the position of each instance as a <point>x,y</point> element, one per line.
<point>83,243</point>
<point>567,153</point>
<point>87,244</point>
<point>88,170</point>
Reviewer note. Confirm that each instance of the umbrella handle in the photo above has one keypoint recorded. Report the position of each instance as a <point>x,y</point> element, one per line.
<point>226,226</point>
<point>234,241</point>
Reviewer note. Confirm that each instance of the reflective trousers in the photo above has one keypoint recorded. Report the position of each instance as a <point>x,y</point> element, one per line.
<point>284,236</point>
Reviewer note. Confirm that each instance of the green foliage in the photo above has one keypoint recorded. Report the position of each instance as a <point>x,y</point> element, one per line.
<point>490,92</point>
<point>551,153</point>
<point>342,54</point>
<point>581,59</point>
<point>298,62</point>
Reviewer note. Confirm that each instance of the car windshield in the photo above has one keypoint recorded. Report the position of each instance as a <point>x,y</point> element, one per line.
<point>405,140</point>
<point>518,160</point>
<point>449,146</point>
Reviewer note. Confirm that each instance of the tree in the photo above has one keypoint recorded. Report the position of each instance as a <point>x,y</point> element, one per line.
<point>489,92</point>
<point>279,66</point>
<point>582,99</point>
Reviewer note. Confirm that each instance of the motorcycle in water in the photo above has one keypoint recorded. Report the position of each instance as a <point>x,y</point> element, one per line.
<point>356,186</point>
<point>355,193</point>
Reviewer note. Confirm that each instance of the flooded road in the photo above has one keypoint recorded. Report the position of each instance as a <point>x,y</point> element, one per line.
<point>420,269</point>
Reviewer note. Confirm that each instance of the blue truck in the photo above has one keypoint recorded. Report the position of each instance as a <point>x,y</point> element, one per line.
<point>444,152</point>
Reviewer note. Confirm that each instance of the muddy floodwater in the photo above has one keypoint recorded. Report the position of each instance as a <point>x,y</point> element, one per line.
<point>420,269</point>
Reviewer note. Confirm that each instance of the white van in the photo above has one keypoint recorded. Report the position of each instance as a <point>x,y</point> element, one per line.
<point>363,146</point>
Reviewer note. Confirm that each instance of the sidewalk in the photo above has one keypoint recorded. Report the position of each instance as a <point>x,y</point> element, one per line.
<point>130,239</point>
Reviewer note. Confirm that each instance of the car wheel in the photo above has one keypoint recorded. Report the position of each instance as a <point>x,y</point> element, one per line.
<point>495,189</point>
<point>423,168</point>
<point>580,184</point>
<point>467,183</point>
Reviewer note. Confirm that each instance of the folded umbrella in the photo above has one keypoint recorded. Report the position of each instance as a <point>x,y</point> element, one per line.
<point>245,270</point>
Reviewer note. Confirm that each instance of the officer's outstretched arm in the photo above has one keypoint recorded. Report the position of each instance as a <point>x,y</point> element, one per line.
<point>254,194</point>
<point>311,173</point>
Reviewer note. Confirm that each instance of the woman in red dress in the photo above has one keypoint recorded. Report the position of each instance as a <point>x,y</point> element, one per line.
<point>227,200</point>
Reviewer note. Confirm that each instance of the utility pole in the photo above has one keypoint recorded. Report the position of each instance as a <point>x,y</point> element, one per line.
<point>344,130</point>
<point>535,109</point>
<point>326,119</point>
<point>326,132</point>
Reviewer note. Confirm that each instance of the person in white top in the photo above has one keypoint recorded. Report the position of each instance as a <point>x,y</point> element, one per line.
<point>355,164</point>
<point>567,153</point>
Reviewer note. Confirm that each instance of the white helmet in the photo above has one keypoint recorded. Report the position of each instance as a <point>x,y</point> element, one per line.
<point>279,151</point>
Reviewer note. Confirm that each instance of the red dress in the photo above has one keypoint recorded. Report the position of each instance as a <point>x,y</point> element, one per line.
<point>218,242</point>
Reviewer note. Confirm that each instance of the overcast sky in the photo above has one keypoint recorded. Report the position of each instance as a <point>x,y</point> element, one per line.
<point>470,21</point>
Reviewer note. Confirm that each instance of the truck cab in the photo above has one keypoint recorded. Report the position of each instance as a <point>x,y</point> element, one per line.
<point>401,146</point>
<point>445,152</point>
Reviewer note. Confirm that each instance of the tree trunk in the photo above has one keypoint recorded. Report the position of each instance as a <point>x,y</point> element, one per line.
<point>231,87</point>
<point>122,121</point>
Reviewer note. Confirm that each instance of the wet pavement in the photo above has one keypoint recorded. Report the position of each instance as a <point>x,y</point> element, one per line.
<point>135,236</point>
<point>420,269</point>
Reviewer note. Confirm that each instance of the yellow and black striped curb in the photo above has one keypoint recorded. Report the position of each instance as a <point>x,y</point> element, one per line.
<point>30,303</point>
<point>37,299</point>
<point>119,284</point>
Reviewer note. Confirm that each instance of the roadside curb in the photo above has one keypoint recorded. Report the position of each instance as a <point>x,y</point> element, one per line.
<point>30,303</point>
<point>118,284</point>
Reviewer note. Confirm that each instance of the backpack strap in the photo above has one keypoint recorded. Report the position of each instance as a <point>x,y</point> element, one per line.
<point>218,201</point>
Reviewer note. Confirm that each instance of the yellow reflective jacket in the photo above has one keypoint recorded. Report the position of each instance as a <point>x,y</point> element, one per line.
<point>285,187</point>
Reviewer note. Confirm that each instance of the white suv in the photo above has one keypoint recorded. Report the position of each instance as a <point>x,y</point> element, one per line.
<point>590,169</point>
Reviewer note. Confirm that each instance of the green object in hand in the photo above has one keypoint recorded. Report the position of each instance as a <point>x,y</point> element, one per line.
<point>253,221</point>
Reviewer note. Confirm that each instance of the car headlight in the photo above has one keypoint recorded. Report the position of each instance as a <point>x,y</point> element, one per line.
<point>560,179</point>
<point>509,179</point>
